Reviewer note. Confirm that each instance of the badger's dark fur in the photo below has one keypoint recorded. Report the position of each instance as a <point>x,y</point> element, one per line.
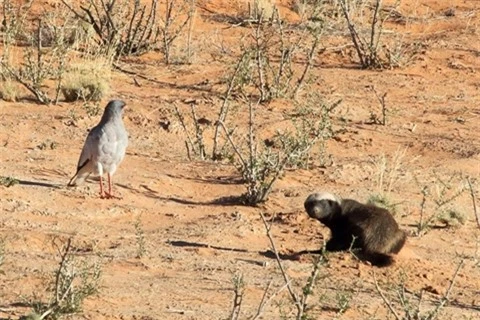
<point>356,225</point>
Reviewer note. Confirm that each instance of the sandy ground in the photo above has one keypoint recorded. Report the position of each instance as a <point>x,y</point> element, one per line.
<point>194,243</point>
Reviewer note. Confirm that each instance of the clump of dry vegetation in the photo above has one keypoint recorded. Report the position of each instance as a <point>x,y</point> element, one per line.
<point>88,81</point>
<point>9,90</point>
<point>179,14</point>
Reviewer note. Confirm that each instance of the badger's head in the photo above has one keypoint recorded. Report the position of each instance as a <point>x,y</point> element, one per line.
<point>322,205</point>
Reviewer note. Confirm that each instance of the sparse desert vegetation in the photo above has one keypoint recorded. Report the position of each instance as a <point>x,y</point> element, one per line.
<point>237,110</point>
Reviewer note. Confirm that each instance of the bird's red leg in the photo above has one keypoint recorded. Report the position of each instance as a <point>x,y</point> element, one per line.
<point>110,195</point>
<point>102,194</point>
<point>110,186</point>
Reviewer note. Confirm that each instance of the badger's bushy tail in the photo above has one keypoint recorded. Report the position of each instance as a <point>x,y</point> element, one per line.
<point>398,241</point>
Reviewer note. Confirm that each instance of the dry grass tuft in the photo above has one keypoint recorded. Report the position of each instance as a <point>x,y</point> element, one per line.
<point>86,81</point>
<point>9,91</point>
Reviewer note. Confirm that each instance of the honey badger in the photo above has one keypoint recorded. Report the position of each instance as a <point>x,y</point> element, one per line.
<point>353,224</point>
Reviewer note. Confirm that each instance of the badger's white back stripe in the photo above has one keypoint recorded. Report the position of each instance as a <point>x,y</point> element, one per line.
<point>319,196</point>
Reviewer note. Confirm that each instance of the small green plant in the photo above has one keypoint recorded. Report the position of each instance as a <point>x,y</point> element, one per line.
<point>442,195</point>
<point>140,238</point>
<point>69,286</point>
<point>343,303</point>
<point>8,181</point>
<point>92,109</point>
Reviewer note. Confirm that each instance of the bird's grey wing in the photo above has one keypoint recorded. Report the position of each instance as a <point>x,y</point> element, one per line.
<point>122,143</point>
<point>85,162</point>
<point>89,148</point>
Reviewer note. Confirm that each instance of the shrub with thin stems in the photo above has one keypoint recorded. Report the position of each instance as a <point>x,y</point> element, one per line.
<point>125,27</point>
<point>45,51</point>
<point>179,14</point>
<point>299,297</point>
<point>412,304</point>
<point>271,54</point>
<point>72,282</point>
<point>261,165</point>
<point>368,45</point>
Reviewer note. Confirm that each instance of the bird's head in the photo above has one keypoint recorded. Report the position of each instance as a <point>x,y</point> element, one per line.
<point>113,110</point>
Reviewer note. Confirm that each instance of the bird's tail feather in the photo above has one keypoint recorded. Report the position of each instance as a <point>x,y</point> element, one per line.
<point>78,178</point>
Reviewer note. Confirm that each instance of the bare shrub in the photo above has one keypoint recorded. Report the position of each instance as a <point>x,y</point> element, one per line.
<point>299,297</point>
<point>178,15</point>
<point>195,140</point>
<point>368,41</point>
<point>272,50</point>
<point>125,27</point>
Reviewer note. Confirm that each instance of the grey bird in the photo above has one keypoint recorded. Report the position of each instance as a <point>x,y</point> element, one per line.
<point>104,148</point>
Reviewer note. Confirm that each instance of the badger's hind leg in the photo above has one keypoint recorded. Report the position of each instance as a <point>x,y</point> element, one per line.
<point>377,259</point>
